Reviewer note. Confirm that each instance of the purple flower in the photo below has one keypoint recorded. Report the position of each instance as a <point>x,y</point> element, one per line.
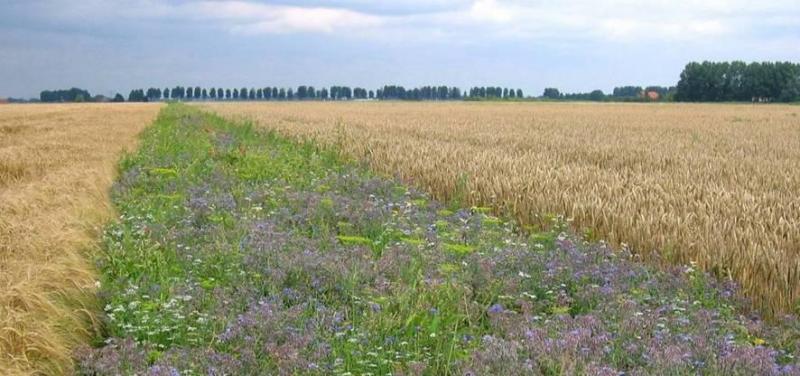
<point>496,308</point>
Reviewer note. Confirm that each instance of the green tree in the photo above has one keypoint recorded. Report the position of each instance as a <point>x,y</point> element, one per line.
<point>551,93</point>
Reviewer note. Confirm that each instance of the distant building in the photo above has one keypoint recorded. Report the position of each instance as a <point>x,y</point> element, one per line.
<point>653,95</point>
<point>3,100</point>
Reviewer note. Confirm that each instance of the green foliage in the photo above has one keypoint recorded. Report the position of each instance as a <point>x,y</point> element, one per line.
<point>739,81</point>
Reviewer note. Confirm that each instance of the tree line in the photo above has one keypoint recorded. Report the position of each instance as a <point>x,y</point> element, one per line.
<point>735,81</point>
<point>302,92</point>
<point>619,94</point>
<point>739,81</point>
<point>495,93</point>
<point>69,95</point>
<point>699,82</point>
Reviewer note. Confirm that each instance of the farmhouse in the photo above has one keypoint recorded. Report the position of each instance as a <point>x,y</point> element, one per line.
<point>652,95</point>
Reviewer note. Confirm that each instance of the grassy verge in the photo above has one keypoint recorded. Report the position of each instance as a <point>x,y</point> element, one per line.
<point>241,252</point>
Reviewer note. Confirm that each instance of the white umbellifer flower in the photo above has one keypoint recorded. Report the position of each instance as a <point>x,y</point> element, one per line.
<point>529,295</point>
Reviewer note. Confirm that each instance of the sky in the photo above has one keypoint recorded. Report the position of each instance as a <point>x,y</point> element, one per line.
<point>109,46</point>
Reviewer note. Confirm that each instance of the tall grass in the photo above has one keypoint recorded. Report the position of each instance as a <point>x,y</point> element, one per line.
<point>56,165</point>
<point>712,184</point>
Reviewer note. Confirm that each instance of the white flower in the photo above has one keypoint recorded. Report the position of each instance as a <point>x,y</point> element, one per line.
<point>528,295</point>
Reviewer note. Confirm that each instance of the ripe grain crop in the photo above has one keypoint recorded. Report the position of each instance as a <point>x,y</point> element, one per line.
<point>712,184</point>
<point>57,163</point>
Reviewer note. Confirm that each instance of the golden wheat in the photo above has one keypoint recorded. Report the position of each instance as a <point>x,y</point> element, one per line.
<point>715,184</point>
<point>57,163</point>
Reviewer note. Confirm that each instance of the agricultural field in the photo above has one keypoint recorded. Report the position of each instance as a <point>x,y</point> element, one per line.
<point>57,163</point>
<point>714,185</point>
<point>239,250</point>
<point>385,238</point>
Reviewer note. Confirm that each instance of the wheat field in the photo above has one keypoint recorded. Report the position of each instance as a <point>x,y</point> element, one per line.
<point>57,163</point>
<point>715,184</point>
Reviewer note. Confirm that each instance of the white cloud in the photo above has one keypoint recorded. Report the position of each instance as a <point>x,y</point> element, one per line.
<point>243,17</point>
<point>490,10</point>
<point>589,20</point>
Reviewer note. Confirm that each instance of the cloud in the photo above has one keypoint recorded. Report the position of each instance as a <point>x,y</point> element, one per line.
<point>252,18</point>
<point>492,11</point>
<point>587,20</point>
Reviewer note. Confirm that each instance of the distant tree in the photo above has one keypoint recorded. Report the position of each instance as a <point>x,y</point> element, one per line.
<point>359,93</point>
<point>627,92</point>
<point>519,93</point>
<point>252,95</point>
<point>197,92</point>
<point>442,93</point>
<point>738,81</point>
<point>70,95</point>
<point>213,93</point>
<point>205,94</point>
<point>227,93</point>
<point>153,94</point>
<point>137,95</point>
<point>597,95</point>
<point>259,94</point>
<point>323,94</point>
<point>118,98</point>
<point>235,94</point>
<point>551,93</point>
<point>165,93</point>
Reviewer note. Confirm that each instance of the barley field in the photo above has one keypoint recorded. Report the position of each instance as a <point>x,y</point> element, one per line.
<point>57,163</point>
<point>712,184</point>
